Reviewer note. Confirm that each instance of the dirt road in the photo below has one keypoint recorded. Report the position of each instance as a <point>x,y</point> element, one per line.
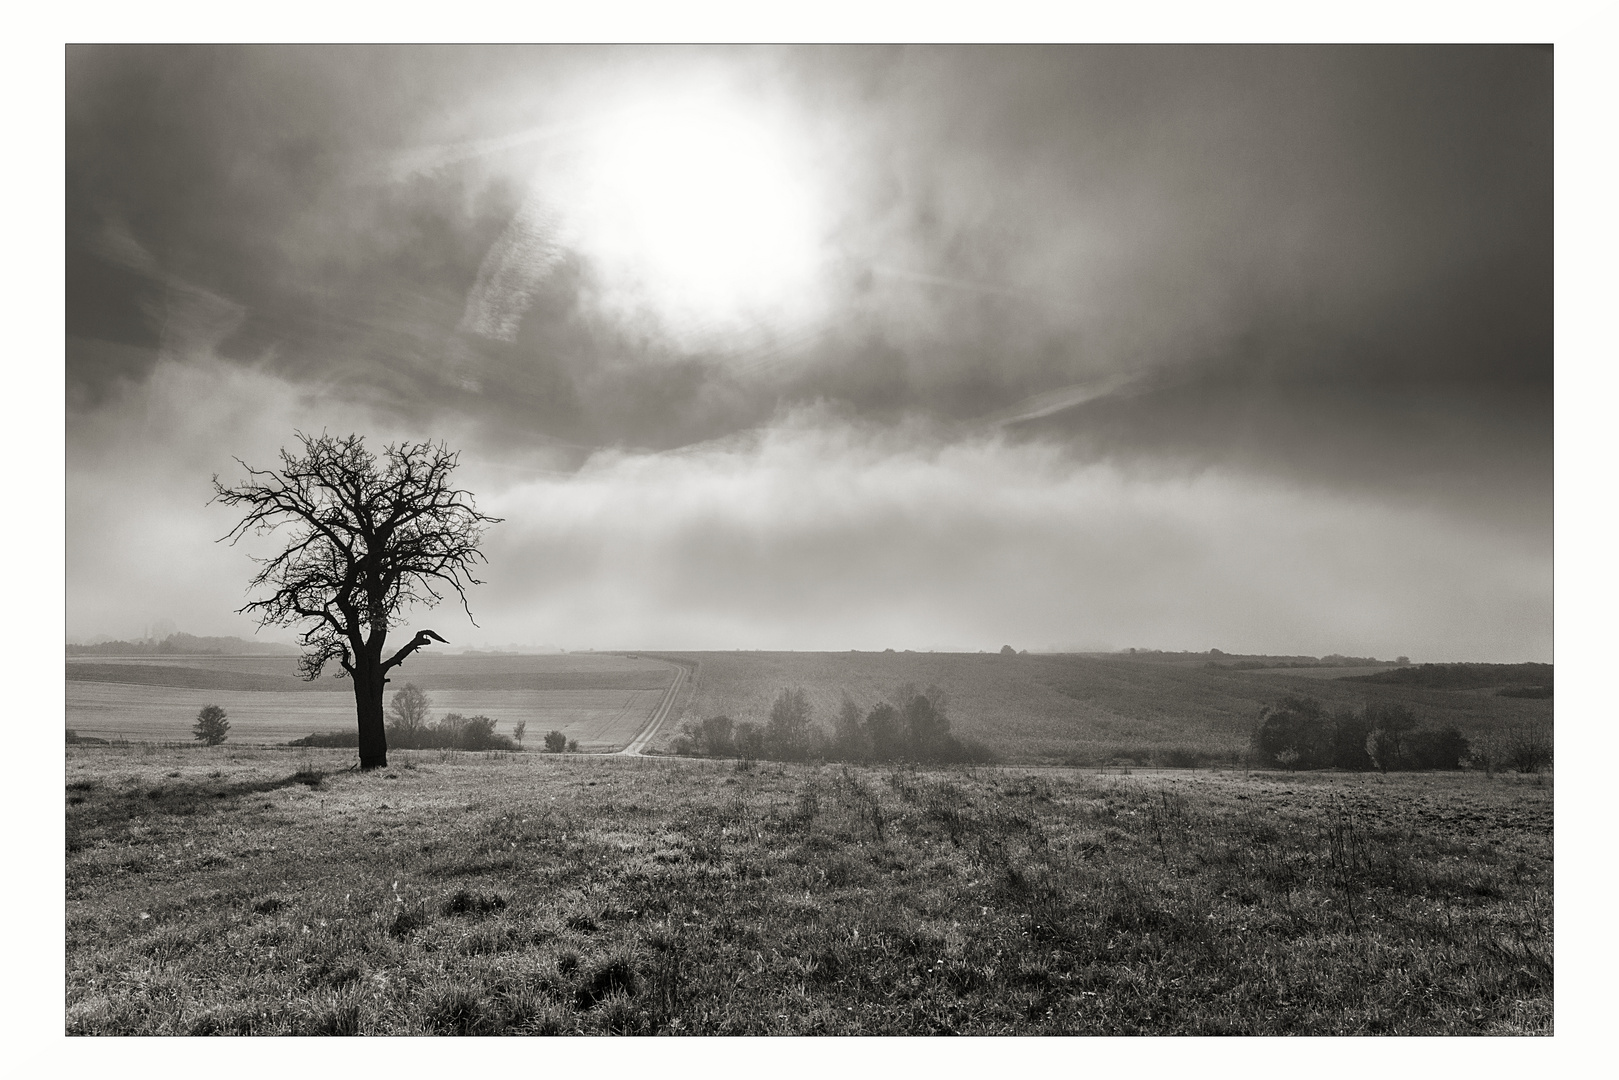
<point>661,713</point>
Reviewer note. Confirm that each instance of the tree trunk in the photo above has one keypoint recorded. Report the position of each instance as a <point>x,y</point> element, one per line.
<point>368,684</point>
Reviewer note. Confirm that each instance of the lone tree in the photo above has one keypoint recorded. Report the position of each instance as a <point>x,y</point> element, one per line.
<point>211,725</point>
<point>370,537</point>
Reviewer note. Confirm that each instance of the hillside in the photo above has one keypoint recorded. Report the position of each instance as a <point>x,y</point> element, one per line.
<point>1072,707</point>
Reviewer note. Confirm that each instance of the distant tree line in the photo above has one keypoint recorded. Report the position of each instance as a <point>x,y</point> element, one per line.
<point>180,645</point>
<point>1463,676</point>
<point>913,726</point>
<point>1299,733</point>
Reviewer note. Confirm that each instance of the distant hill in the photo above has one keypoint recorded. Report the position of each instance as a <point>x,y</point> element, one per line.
<point>1246,661</point>
<point>1462,676</point>
<point>184,645</point>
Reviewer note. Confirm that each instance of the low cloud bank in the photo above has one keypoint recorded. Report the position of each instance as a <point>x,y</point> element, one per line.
<point>818,531</point>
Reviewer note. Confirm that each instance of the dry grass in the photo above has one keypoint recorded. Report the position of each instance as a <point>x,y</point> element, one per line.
<point>215,891</point>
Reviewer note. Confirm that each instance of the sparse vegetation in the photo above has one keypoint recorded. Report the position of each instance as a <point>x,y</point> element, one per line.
<point>543,895</point>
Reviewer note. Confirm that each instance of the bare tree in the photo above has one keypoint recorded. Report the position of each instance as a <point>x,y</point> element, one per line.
<point>410,709</point>
<point>369,539</point>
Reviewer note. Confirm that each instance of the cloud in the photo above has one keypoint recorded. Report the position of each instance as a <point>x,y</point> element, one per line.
<point>513,271</point>
<point>1108,346</point>
<point>821,534</point>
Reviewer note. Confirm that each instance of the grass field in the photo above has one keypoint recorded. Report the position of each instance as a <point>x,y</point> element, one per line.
<point>601,701</point>
<point>1084,709</point>
<point>237,890</point>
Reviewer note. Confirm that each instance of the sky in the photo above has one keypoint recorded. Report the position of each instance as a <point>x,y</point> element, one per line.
<point>1077,348</point>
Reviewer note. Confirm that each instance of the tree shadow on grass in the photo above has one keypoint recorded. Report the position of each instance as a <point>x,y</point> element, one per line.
<point>96,809</point>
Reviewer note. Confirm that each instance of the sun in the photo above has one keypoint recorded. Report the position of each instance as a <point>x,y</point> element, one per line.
<point>703,209</point>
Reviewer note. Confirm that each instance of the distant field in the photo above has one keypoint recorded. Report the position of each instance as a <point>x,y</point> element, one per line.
<point>601,701</point>
<point>1067,707</point>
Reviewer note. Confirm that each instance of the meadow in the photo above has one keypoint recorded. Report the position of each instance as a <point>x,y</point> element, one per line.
<point>269,890</point>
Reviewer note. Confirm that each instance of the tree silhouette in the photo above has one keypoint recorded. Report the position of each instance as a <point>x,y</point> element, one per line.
<point>370,537</point>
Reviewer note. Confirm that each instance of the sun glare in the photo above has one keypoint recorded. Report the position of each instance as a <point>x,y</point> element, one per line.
<point>700,209</point>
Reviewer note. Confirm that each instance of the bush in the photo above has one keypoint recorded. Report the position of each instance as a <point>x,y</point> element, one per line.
<point>452,732</point>
<point>1295,728</point>
<point>334,739</point>
<point>1296,734</point>
<point>1529,750</point>
<point>749,740</point>
<point>787,733</point>
<point>1525,691</point>
<point>555,742</point>
<point>211,726</point>
<point>1430,749</point>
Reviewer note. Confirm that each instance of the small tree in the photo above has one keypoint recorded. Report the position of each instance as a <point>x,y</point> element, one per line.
<point>518,729</point>
<point>555,742</point>
<point>848,737</point>
<point>788,730</point>
<point>408,710</point>
<point>573,746</point>
<point>211,725</point>
<point>884,733</point>
<point>927,728</point>
<point>716,737</point>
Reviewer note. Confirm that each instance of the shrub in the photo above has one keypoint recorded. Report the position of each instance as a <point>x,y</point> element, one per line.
<point>1525,691</point>
<point>1296,734</point>
<point>335,739</point>
<point>555,742</point>
<point>573,746</point>
<point>1430,749</point>
<point>1529,750</point>
<point>211,726</point>
<point>1295,727</point>
<point>716,737</point>
<point>749,740</point>
<point>1349,733</point>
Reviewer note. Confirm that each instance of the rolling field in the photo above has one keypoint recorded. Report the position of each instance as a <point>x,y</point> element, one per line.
<point>602,701</point>
<point>269,891</point>
<point>1072,708</point>
<point>1046,708</point>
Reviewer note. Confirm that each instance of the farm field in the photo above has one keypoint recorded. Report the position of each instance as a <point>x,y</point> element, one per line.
<point>1075,708</point>
<point>267,890</point>
<point>602,701</point>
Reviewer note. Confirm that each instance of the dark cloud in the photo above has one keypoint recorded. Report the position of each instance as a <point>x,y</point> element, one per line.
<point>1324,269</point>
